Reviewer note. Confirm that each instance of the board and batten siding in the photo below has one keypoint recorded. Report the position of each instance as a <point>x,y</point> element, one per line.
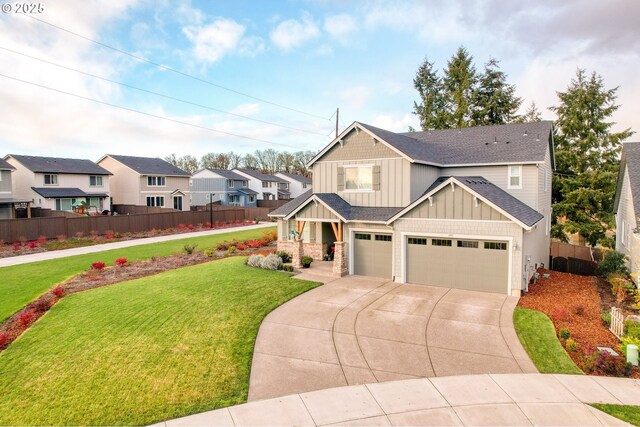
<point>499,175</point>
<point>316,211</point>
<point>455,204</point>
<point>422,176</point>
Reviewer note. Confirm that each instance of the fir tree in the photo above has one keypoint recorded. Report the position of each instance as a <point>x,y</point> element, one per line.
<point>494,101</point>
<point>459,83</point>
<point>431,108</point>
<point>531,115</point>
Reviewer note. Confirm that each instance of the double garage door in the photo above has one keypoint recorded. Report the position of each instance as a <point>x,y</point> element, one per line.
<point>480,265</point>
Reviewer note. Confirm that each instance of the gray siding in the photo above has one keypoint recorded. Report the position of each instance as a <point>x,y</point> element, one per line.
<point>626,242</point>
<point>208,184</point>
<point>458,204</point>
<point>315,211</point>
<point>422,176</point>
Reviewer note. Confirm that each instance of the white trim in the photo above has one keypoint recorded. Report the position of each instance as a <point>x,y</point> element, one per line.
<point>509,176</point>
<point>405,234</point>
<point>353,231</point>
<point>456,220</point>
<point>317,220</point>
<point>359,160</point>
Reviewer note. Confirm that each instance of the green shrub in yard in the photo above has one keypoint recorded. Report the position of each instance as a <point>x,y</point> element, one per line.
<point>209,252</point>
<point>284,256</point>
<point>570,345</point>
<point>632,328</point>
<point>626,341</point>
<point>255,261</point>
<point>606,318</point>
<point>271,262</point>
<point>564,333</point>
<point>189,248</point>
<point>288,267</point>
<point>613,262</point>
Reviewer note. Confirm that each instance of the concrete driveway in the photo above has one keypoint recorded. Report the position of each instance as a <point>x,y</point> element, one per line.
<point>361,330</point>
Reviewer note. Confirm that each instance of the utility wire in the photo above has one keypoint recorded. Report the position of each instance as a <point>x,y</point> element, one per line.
<point>160,94</point>
<point>144,113</point>
<point>173,70</point>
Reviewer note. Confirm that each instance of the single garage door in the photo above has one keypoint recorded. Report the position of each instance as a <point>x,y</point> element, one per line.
<point>372,254</point>
<point>479,265</point>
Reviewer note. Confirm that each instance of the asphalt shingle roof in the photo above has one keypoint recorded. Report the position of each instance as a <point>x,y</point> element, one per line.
<point>524,213</point>
<point>512,143</point>
<point>630,159</point>
<point>292,205</point>
<point>54,192</point>
<point>299,178</point>
<point>261,176</point>
<point>226,173</point>
<point>247,191</point>
<point>60,165</point>
<point>4,165</point>
<point>150,165</point>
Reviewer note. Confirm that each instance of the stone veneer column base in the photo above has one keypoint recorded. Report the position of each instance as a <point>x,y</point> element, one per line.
<point>297,253</point>
<point>340,267</point>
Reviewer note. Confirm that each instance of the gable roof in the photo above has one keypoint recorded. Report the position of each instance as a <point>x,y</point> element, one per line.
<point>290,206</point>
<point>149,165</point>
<point>226,173</point>
<point>59,165</point>
<point>629,160</point>
<point>261,176</point>
<point>54,192</point>
<point>498,144</point>
<point>293,176</point>
<point>505,203</point>
<point>5,166</point>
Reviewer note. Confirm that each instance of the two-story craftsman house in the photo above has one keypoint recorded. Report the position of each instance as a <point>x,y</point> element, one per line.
<point>462,208</point>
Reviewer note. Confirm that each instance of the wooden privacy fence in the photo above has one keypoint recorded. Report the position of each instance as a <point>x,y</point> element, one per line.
<point>12,230</point>
<point>566,250</point>
<point>273,204</point>
<point>617,322</point>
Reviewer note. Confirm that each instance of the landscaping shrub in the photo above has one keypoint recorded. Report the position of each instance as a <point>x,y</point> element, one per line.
<point>270,235</point>
<point>26,317</point>
<point>606,318</point>
<point>284,256</point>
<point>241,246</point>
<point>32,244</point>
<point>288,267</point>
<point>209,252</point>
<point>191,227</point>
<point>4,337</point>
<point>120,262</point>
<point>271,262</point>
<point>604,363</point>
<point>255,261</point>
<point>306,261</point>
<point>232,250</point>
<point>109,235</point>
<point>42,305</point>
<point>571,345</point>
<point>188,248</point>
<point>564,333</point>
<point>181,227</point>
<point>560,313</point>
<point>98,265</point>
<point>79,235</point>
<point>41,240</point>
<point>117,235</point>
<point>61,237</point>
<point>254,243</point>
<point>613,262</point>
<point>632,329</point>
<point>58,291</point>
<point>16,246</point>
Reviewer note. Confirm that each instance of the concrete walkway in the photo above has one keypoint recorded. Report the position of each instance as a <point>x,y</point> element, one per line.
<point>42,256</point>
<point>362,330</point>
<point>497,399</point>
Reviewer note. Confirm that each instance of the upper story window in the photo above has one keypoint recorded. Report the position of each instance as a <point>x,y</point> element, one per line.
<point>265,184</point>
<point>358,178</point>
<point>232,183</point>
<point>515,176</point>
<point>95,181</point>
<point>156,181</point>
<point>245,183</point>
<point>50,179</point>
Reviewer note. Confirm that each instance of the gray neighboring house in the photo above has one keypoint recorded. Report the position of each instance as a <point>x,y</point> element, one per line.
<point>147,181</point>
<point>11,207</point>
<point>57,183</point>
<point>223,186</point>
<point>462,208</point>
<point>627,206</point>
<point>297,184</point>
<point>268,187</point>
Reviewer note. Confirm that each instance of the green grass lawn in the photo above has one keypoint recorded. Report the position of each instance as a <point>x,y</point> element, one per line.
<point>628,413</point>
<point>538,337</point>
<point>143,351</point>
<point>21,284</point>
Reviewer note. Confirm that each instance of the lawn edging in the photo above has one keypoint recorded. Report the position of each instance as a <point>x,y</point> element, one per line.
<point>538,337</point>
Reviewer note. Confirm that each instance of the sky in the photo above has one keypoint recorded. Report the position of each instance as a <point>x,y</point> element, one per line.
<point>82,79</point>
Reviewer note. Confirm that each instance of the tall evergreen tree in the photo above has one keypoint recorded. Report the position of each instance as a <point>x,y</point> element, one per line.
<point>531,115</point>
<point>586,153</point>
<point>431,109</point>
<point>459,84</point>
<point>494,101</point>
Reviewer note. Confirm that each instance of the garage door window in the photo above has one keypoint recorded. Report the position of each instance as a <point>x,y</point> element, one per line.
<point>440,242</point>
<point>501,246</point>
<point>468,244</point>
<point>361,236</point>
<point>383,237</point>
<point>415,241</point>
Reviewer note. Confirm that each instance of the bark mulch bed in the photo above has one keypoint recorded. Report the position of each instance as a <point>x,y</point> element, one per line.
<point>574,303</point>
<point>14,326</point>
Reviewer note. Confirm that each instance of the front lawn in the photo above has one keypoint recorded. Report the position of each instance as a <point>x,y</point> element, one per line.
<point>21,284</point>
<point>143,351</point>
<point>628,413</point>
<point>538,337</point>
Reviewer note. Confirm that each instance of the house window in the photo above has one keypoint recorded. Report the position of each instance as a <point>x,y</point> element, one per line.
<point>358,178</point>
<point>515,177</point>
<point>232,183</point>
<point>244,183</point>
<point>156,181</point>
<point>501,246</point>
<point>383,237</point>
<point>417,241</point>
<point>50,179</point>
<point>361,236</point>
<point>440,242</point>
<point>95,181</point>
<point>468,244</point>
<point>304,185</point>
<point>157,201</point>
<point>252,199</point>
<point>265,184</point>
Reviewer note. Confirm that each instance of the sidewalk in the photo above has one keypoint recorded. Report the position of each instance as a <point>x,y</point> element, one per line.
<point>42,256</point>
<point>500,399</point>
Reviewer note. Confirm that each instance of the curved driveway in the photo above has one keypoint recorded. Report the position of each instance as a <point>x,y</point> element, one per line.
<point>362,330</point>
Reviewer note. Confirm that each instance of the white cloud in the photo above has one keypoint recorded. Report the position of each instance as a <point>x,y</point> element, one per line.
<point>213,41</point>
<point>292,33</point>
<point>251,46</point>
<point>340,26</point>
<point>394,123</point>
<point>355,97</point>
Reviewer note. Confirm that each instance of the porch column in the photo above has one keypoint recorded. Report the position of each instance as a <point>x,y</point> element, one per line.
<point>296,257</point>
<point>340,266</point>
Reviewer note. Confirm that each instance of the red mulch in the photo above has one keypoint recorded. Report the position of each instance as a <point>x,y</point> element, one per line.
<point>572,302</point>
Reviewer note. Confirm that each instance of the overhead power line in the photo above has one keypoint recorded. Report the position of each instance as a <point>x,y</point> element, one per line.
<point>147,114</point>
<point>173,70</point>
<point>160,94</point>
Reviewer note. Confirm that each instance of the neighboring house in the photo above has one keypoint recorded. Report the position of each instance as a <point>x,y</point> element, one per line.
<point>463,208</point>
<point>268,187</point>
<point>298,184</point>
<point>11,207</point>
<point>627,206</point>
<point>221,185</point>
<point>58,183</point>
<point>147,181</point>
